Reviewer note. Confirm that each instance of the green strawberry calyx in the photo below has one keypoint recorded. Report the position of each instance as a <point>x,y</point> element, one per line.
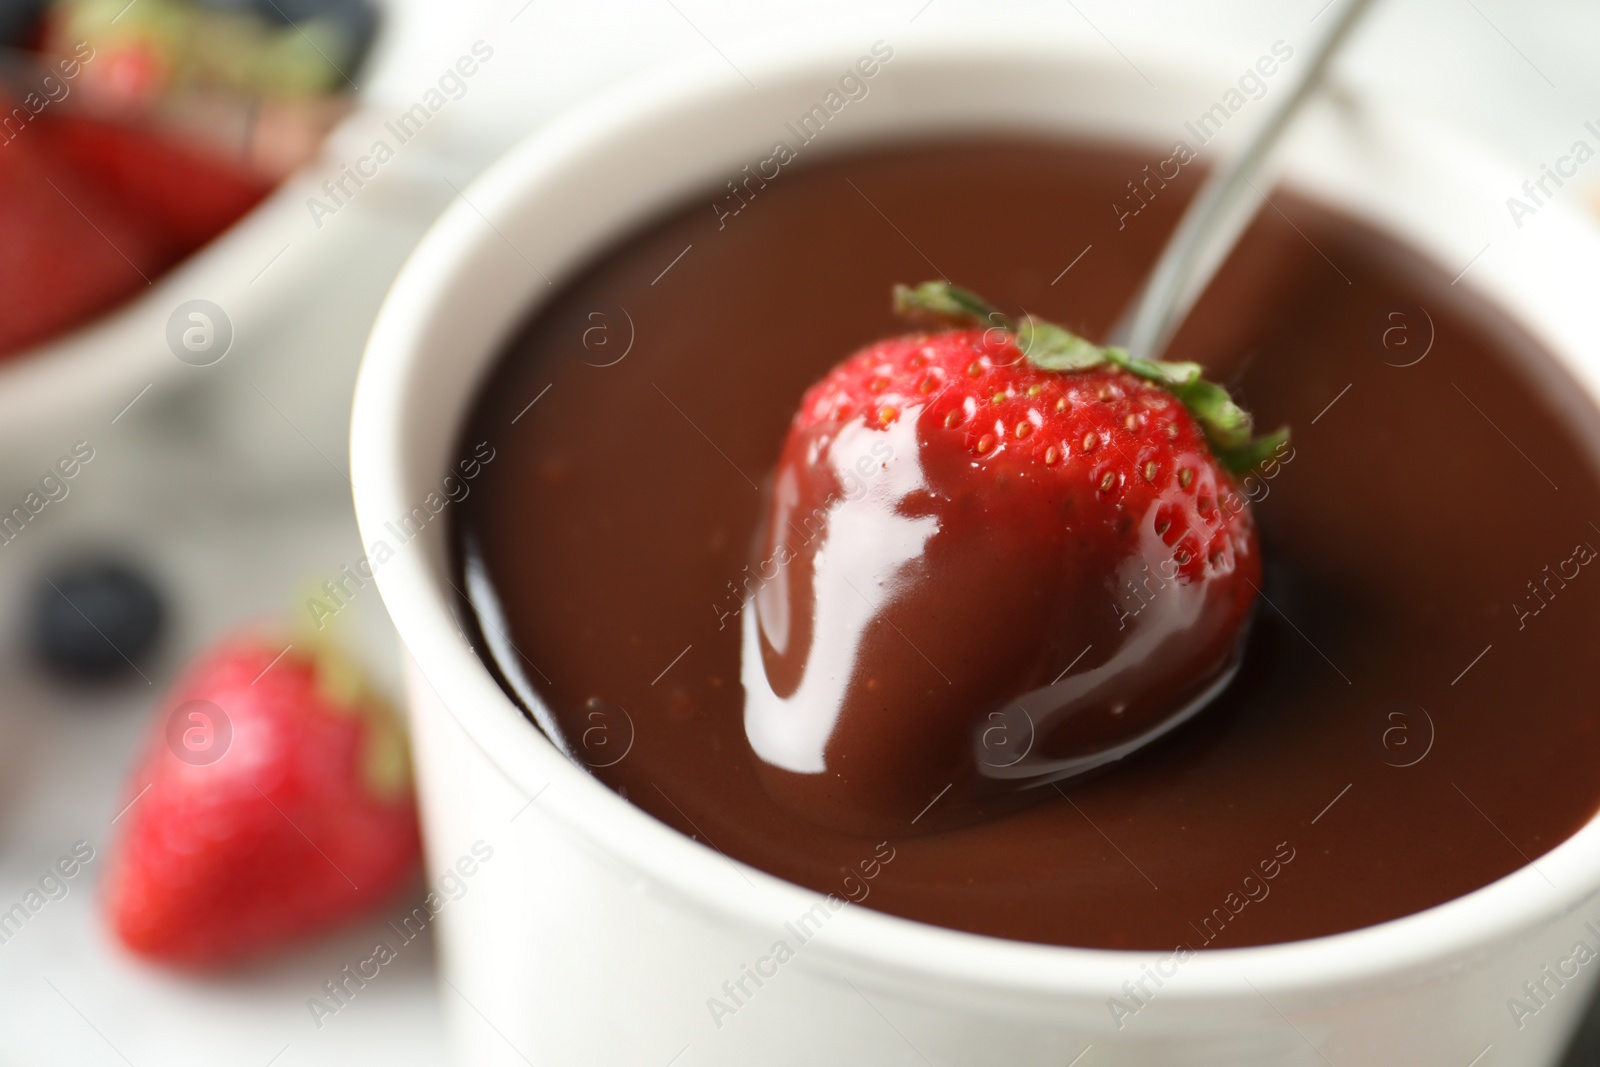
<point>1228,428</point>
<point>344,688</point>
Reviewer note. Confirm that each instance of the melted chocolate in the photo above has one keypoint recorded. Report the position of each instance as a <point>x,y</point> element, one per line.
<point>1410,720</point>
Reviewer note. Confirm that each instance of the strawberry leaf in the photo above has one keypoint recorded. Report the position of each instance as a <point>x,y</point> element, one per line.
<point>1170,375</point>
<point>1049,347</point>
<point>1227,425</point>
<point>948,304</point>
<point>1254,452</point>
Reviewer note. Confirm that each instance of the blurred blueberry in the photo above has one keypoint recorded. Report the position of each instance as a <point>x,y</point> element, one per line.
<point>93,619</point>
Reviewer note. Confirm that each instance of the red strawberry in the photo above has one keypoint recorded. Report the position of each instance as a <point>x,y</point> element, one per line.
<point>92,211</point>
<point>190,194</point>
<point>70,249</point>
<point>991,557</point>
<point>274,801</point>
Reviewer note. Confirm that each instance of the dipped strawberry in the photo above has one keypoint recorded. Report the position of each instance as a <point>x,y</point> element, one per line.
<point>992,557</point>
<point>274,801</point>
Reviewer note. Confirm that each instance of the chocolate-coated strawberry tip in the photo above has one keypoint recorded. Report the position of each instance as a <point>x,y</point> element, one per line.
<point>1228,428</point>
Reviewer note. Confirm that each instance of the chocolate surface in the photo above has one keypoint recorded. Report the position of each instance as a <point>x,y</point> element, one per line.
<point>1410,721</point>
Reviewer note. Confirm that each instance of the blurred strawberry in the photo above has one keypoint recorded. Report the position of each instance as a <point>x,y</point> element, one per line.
<point>130,73</point>
<point>274,802</point>
<point>92,211</point>
<point>188,193</point>
<point>70,249</point>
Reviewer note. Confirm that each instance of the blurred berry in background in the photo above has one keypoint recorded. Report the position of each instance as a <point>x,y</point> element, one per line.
<point>94,620</point>
<point>133,134</point>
